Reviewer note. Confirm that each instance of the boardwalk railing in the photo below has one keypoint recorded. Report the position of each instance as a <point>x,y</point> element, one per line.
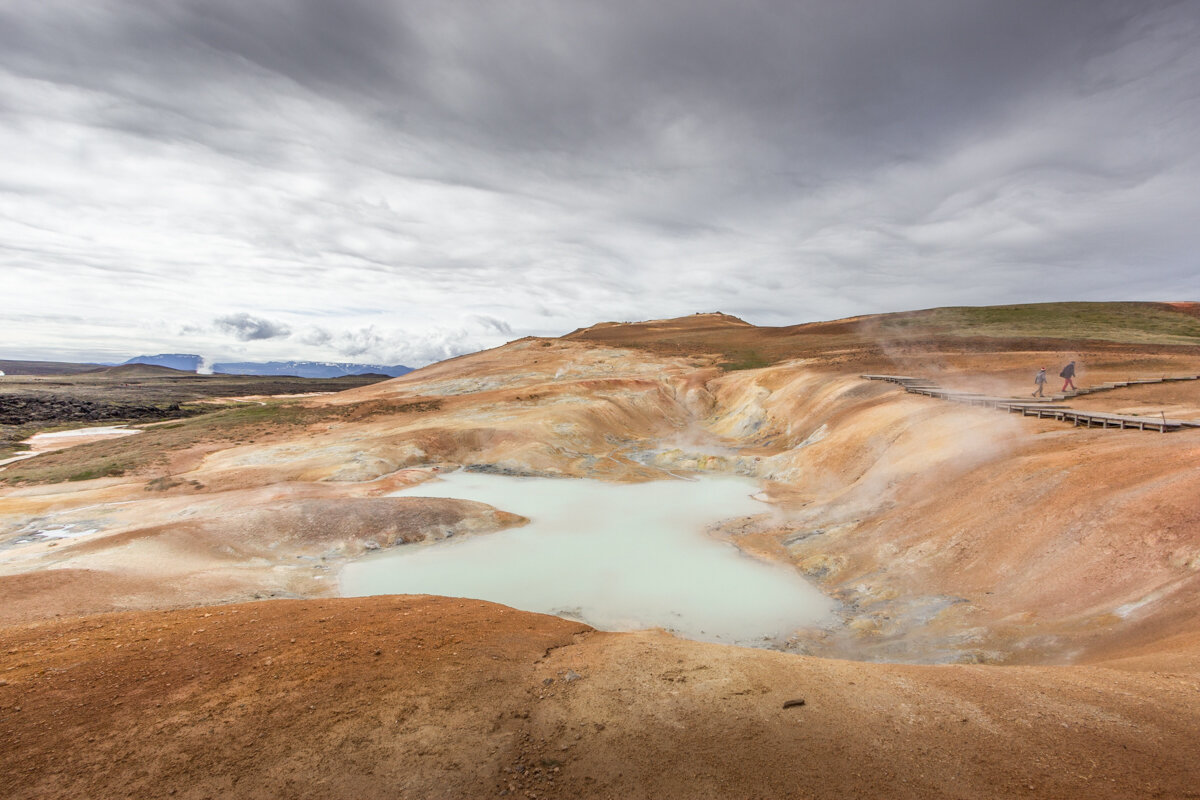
<point>1051,407</point>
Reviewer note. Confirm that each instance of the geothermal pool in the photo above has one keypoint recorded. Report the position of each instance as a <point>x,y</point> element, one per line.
<point>617,556</point>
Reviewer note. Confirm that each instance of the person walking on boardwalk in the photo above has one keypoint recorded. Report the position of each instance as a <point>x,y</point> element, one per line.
<point>1067,374</point>
<point>1040,380</point>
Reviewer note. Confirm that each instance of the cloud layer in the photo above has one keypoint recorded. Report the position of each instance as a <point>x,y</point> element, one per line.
<point>246,328</point>
<point>403,182</point>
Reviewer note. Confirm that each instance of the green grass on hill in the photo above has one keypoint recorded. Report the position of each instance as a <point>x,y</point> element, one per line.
<point>1131,323</point>
<point>747,359</point>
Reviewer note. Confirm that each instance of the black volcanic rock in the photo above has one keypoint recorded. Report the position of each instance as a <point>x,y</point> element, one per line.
<point>15,410</point>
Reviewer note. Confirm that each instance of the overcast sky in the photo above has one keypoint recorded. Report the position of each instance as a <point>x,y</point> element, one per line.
<point>399,182</point>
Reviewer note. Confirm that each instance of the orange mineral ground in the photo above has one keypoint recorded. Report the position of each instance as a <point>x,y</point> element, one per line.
<point>1018,598</point>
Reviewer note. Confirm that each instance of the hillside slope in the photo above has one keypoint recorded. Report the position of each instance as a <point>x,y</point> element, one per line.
<point>1019,598</point>
<point>879,338</point>
<point>417,697</point>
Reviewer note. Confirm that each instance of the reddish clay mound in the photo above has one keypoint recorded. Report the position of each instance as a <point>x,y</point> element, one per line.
<point>381,698</point>
<point>64,592</point>
<point>1191,309</point>
<point>433,697</point>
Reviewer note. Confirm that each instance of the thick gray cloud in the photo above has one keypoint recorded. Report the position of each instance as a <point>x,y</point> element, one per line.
<point>411,180</point>
<point>247,328</point>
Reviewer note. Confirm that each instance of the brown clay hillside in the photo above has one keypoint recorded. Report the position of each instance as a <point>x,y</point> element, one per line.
<point>879,339</point>
<point>416,697</point>
<point>1017,599</point>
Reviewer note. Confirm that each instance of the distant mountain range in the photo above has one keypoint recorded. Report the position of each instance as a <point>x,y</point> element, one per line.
<point>310,369</point>
<point>301,369</point>
<point>183,361</point>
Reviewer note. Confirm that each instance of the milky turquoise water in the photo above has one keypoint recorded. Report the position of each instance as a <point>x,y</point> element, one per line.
<point>617,556</point>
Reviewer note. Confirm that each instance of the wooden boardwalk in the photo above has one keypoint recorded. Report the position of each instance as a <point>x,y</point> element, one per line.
<point>1108,387</point>
<point>1051,407</point>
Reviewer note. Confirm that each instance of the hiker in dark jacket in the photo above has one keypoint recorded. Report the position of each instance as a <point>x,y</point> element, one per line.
<point>1067,374</point>
<point>1040,380</point>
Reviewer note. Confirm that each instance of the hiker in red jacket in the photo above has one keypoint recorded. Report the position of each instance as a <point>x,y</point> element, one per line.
<point>1067,374</point>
